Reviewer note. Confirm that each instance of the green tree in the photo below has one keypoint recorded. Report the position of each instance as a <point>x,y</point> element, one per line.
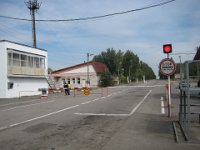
<point>105,79</point>
<point>147,71</point>
<point>124,65</point>
<point>109,58</point>
<point>130,65</point>
<point>118,60</point>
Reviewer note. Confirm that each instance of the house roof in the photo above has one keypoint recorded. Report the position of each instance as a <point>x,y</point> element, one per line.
<point>98,67</point>
<point>197,55</point>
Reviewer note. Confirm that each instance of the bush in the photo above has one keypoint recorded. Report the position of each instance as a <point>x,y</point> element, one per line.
<point>105,79</point>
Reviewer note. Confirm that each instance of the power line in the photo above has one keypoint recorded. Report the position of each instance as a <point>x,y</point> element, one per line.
<point>93,17</point>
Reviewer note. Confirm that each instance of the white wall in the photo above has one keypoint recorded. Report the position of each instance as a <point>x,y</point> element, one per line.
<point>23,85</point>
<point>82,70</point>
<point>3,70</point>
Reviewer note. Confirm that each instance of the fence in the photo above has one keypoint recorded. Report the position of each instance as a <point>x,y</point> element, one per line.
<point>189,96</point>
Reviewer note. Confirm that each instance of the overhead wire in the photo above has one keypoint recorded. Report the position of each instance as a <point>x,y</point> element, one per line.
<point>93,17</point>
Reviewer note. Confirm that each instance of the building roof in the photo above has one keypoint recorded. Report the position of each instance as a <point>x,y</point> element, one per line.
<point>98,67</point>
<point>22,44</point>
<point>197,55</point>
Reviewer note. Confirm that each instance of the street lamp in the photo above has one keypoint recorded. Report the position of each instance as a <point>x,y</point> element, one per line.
<point>88,76</point>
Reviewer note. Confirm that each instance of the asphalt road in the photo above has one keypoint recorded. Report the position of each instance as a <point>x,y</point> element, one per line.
<point>117,118</point>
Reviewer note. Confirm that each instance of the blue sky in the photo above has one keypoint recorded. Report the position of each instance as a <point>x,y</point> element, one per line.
<point>144,32</point>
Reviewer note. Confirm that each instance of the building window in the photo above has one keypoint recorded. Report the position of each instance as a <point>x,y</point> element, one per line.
<point>78,80</point>
<point>68,81</point>
<point>25,63</point>
<point>16,59</point>
<point>36,62</point>
<point>24,60</point>
<point>30,61</point>
<point>73,79</point>
<point>10,85</point>
<point>10,59</point>
<point>42,63</point>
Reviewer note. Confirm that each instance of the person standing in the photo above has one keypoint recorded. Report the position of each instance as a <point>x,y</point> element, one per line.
<point>68,88</point>
<point>65,85</point>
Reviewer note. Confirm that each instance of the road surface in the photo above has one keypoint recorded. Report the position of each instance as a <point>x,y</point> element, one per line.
<point>117,118</point>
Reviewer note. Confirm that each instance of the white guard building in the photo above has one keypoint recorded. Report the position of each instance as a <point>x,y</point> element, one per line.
<point>23,70</point>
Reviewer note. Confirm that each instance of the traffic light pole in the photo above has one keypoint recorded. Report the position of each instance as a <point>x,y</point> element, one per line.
<point>169,95</point>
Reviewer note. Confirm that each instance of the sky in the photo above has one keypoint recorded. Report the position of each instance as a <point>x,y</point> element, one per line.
<point>143,32</point>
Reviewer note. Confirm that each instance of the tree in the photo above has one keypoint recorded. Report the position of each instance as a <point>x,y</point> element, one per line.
<point>109,58</point>
<point>130,65</point>
<point>105,79</point>
<point>50,70</point>
<point>119,59</point>
<point>124,65</point>
<point>147,71</point>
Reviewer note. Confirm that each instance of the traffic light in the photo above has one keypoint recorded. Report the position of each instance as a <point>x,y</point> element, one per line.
<point>167,48</point>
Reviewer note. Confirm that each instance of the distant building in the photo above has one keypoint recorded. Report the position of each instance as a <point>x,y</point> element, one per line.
<point>23,70</point>
<point>77,75</point>
<point>197,55</point>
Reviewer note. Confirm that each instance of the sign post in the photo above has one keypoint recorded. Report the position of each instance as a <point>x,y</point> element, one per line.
<point>167,68</point>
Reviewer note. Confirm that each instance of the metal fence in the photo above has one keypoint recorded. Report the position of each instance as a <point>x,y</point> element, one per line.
<point>189,107</point>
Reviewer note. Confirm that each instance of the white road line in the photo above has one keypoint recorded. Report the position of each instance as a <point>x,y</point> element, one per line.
<point>96,99</point>
<point>92,114</point>
<point>86,102</point>
<point>137,86</point>
<point>138,105</point>
<point>27,105</point>
<point>122,115</point>
<point>68,108</point>
<point>36,118</point>
<point>103,97</point>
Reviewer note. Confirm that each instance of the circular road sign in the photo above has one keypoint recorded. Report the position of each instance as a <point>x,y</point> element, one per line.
<point>86,91</point>
<point>167,67</point>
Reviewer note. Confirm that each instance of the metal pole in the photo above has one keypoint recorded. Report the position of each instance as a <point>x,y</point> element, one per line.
<point>169,95</point>
<point>188,102</point>
<point>88,70</point>
<point>181,94</point>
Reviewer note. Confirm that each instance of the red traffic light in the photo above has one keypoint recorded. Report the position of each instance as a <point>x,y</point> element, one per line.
<point>167,48</point>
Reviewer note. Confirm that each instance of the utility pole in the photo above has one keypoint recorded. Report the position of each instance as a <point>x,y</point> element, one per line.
<point>88,71</point>
<point>33,6</point>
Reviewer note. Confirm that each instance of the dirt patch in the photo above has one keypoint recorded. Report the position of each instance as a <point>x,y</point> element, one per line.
<point>39,127</point>
<point>88,133</point>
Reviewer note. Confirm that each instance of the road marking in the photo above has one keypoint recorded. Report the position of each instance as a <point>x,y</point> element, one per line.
<point>120,115</point>
<point>138,105</point>
<point>68,108</point>
<point>36,118</point>
<point>92,114</point>
<point>96,99</point>
<point>138,86</point>
<point>86,102</point>
<point>27,105</point>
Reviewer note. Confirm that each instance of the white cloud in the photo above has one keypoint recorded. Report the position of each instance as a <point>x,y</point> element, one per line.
<point>144,32</point>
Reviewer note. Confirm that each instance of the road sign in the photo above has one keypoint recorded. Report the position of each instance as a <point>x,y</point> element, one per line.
<point>167,67</point>
<point>183,84</point>
<point>86,91</point>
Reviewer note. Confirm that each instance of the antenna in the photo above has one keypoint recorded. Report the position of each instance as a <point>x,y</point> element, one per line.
<point>33,6</point>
